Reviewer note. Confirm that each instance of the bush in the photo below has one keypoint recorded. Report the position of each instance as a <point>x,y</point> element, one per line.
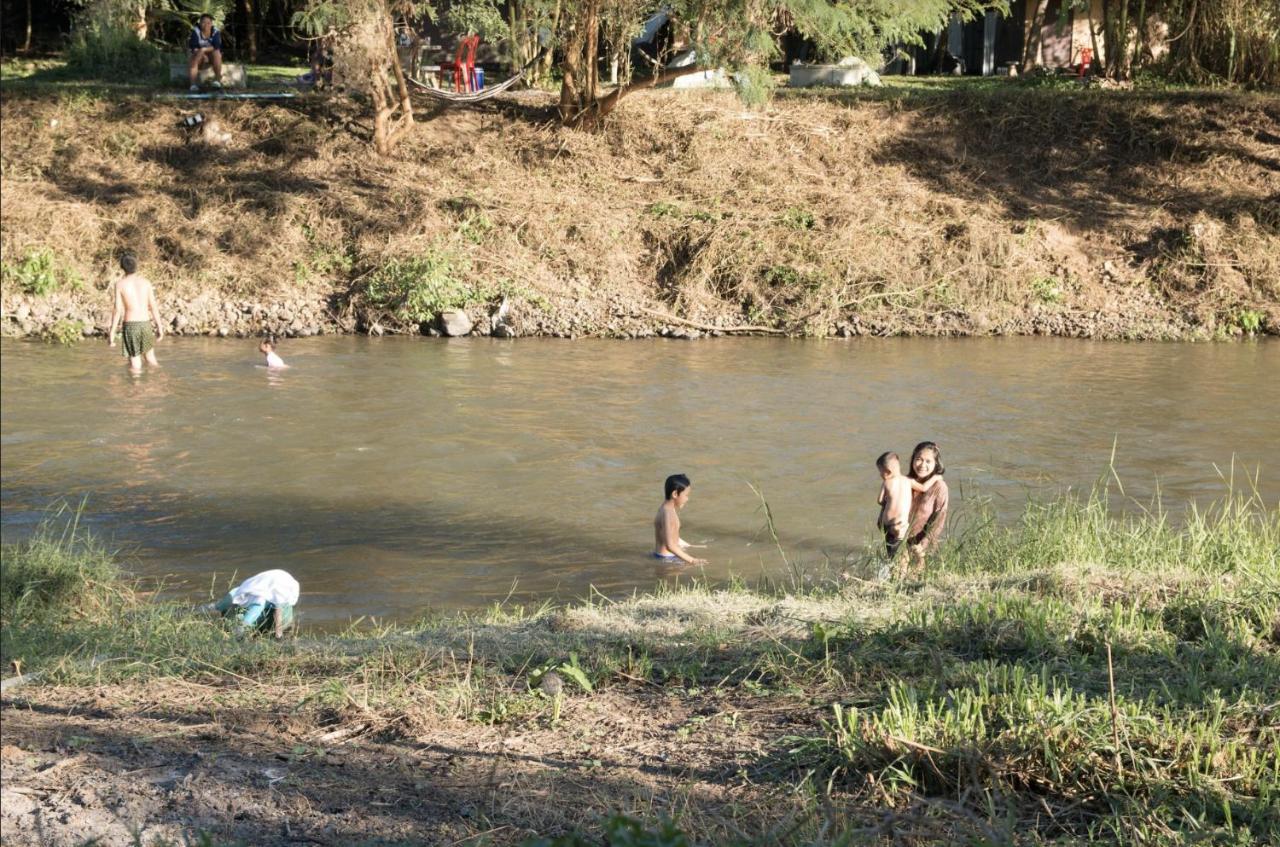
<point>417,289</point>
<point>107,51</point>
<point>40,273</point>
<point>64,332</point>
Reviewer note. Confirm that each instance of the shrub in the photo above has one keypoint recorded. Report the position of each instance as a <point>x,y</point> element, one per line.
<point>110,51</point>
<point>64,332</point>
<point>417,289</point>
<point>40,273</point>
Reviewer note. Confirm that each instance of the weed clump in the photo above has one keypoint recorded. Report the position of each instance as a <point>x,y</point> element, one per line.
<point>39,273</point>
<point>61,571</point>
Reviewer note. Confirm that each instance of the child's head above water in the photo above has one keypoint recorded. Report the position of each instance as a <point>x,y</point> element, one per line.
<point>675,484</point>
<point>267,346</point>
<point>889,464</point>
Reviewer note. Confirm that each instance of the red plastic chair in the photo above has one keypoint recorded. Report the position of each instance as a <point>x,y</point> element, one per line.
<point>464,64</point>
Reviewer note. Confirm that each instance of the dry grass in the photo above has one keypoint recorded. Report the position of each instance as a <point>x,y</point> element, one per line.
<point>1095,213</point>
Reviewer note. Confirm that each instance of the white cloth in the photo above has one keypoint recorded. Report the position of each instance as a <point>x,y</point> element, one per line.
<point>275,587</point>
<point>274,361</point>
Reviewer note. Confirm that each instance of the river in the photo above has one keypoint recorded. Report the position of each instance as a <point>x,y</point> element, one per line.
<point>394,475</point>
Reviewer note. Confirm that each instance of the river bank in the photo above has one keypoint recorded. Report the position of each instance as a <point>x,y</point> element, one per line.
<point>929,209</point>
<point>1072,678</point>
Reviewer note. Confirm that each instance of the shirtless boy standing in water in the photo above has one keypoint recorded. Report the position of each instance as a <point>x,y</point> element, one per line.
<point>667,545</point>
<point>135,301</point>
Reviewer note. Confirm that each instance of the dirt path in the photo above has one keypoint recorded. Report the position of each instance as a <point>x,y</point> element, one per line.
<point>168,761</point>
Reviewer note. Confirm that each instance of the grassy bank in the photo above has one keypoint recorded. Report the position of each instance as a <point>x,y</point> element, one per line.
<point>1076,677</point>
<point>918,209</point>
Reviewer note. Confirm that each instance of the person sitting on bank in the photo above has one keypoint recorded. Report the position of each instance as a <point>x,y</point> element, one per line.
<point>264,603</point>
<point>668,546</point>
<point>205,47</point>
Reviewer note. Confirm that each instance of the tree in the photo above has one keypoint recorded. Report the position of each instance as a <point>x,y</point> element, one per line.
<point>739,35</point>
<point>365,58</point>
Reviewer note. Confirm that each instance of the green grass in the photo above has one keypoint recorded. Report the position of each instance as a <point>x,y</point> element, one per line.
<point>1082,675</point>
<point>56,76</point>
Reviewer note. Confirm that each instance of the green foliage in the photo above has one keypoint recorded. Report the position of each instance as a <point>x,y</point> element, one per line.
<point>417,289</point>
<point>105,46</point>
<point>570,670</point>
<point>662,209</point>
<point>40,273</point>
<point>476,17</point>
<point>755,84</point>
<point>320,16</point>
<point>798,218</point>
<point>781,275</point>
<point>1249,320</point>
<point>59,571</point>
<point>325,261</point>
<point>1047,289</point>
<point>64,332</point>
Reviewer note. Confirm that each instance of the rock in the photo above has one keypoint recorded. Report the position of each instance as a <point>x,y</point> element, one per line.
<point>180,322</point>
<point>503,330</point>
<point>455,323</point>
<point>22,312</point>
<point>375,328</point>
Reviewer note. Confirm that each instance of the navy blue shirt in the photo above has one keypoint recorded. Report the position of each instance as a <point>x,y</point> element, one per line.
<point>197,40</point>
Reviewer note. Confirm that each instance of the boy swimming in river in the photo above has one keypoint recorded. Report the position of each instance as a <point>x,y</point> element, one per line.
<point>667,544</point>
<point>895,500</point>
<point>268,349</point>
<point>134,300</point>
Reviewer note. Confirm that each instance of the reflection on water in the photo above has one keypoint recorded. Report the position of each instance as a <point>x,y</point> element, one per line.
<point>392,475</point>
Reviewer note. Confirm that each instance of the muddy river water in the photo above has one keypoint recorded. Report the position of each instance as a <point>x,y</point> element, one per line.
<point>393,476</point>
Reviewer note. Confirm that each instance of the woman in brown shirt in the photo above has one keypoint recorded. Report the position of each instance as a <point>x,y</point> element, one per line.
<point>928,508</point>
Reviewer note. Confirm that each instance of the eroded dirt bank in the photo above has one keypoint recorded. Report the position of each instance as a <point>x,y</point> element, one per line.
<point>1098,214</point>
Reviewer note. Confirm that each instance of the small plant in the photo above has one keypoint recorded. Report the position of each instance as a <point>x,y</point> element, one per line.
<point>64,332</point>
<point>781,275</point>
<point>122,143</point>
<point>475,226</point>
<point>797,218</point>
<point>39,273</point>
<point>755,85</point>
<point>1249,320</point>
<point>1047,289</point>
<point>662,209</point>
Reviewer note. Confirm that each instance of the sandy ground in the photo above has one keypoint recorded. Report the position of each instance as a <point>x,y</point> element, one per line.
<point>169,761</point>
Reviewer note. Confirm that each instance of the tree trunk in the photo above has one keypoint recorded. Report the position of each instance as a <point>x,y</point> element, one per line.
<point>388,126</point>
<point>590,116</point>
<point>1140,43</point>
<point>26,44</point>
<point>1122,42</point>
<point>250,30</point>
<point>576,91</point>
<point>1031,49</point>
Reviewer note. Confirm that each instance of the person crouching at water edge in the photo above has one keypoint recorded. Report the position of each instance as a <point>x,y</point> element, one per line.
<point>667,544</point>
<point>263,603</point>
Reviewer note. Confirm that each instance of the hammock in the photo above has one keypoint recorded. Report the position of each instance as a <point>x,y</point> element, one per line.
<point>452,97</point>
